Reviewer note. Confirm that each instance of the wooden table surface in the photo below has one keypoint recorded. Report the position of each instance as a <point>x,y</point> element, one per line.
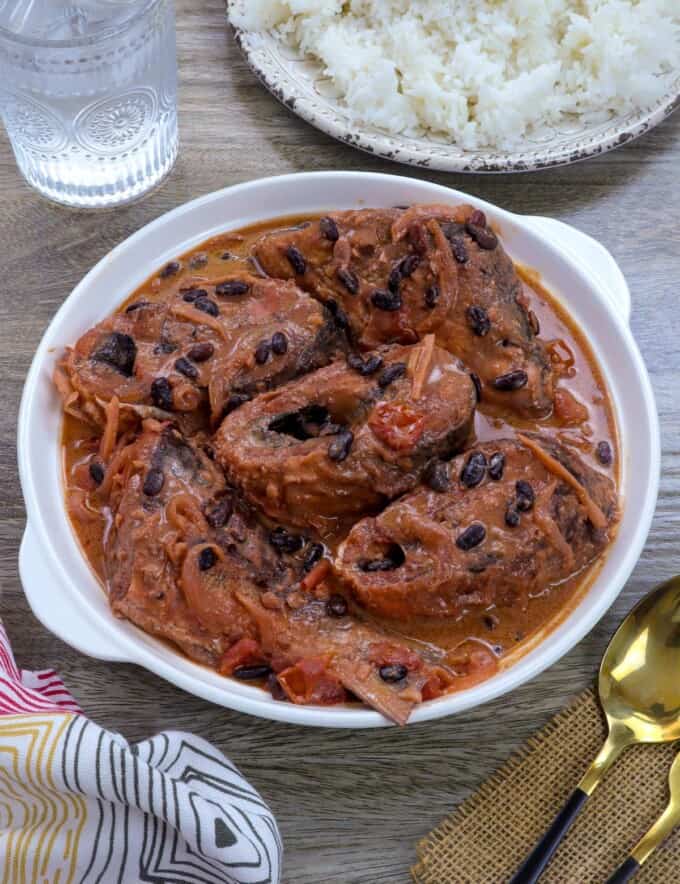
<point>351,806</point>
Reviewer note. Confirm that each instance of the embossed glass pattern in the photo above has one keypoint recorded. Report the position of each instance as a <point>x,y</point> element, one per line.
<point>88,95</point>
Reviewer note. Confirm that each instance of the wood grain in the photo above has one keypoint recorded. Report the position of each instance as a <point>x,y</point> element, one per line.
<point>350,805</point>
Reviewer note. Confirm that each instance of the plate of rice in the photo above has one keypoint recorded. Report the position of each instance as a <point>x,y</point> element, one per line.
<point>484,86</point>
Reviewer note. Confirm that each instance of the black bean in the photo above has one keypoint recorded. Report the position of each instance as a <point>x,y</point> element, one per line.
<point>525,496</point>
<point>485,238</point>
<point>170,269</point>
<point>329,229</point>
<point>97,473</point>
<point>402,270</point>
<point>205,305</point>
<point>153,482</point>
<point>478,385</point>
<point>474,469</point>
<point>371,365</point>
<point>119,351</point>
<point>336,606</point>
<point>255,670</point>
<point>138,305</point>
<point>478,320</point>
<point>391,373</point>
<point>338,314</point>
<point>234,401</point>
<point>604,453</point>
<point>192,294</point>
<point>432,296</point>
<point>279,343</point>
<point>164,347</point>
<point>471,537</point>
<point>262,352</point>
<point>183,366</point>
<point>496,465</point>
<point>408,265</point>
<point>384,300</point>
<point>459,249</point>
<point>201,352</point>
<point>513,380</point>
<point>454,233</point>
<point>161,394</point>
<point>232,287</point>
<point>297,260</point>
<point>393,672</point>
<point>437,477</point>
<point>341,446</point>
<point>312,555</point>
<point>512,516</point>
<point>534,324</point>
<point>206,559</point>
<point>394,279</point>
<point>219,514</point>
<point>285,542</point>
<point>198,260</point>
<point>349,279</point>
<point>365,367</point>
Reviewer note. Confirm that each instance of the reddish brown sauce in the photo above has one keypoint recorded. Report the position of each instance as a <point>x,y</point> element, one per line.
<point>583,417</point>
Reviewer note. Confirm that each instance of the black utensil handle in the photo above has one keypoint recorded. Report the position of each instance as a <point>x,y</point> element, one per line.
<point>625,872</point>
<point>533,866</point>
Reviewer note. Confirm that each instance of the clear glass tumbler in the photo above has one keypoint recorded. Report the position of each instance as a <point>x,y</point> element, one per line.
<point>88,95</point>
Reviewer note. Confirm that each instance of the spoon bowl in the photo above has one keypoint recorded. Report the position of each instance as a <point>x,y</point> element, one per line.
<point>639,685</point>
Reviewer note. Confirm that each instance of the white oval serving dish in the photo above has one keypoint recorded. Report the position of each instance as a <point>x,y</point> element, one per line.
<point>59,584</point>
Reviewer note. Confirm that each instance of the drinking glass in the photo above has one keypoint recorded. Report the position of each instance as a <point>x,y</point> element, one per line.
<point>88,95</point>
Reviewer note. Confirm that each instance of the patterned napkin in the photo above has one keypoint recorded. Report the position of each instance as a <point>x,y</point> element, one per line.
<point>80,804</point>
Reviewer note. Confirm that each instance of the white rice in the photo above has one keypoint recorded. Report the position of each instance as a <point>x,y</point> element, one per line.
<point>484,73</point>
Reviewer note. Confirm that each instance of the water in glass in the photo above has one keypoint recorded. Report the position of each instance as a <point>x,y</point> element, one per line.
<point>88,95</point>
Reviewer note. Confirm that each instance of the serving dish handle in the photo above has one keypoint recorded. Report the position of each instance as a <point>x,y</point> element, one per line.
<point>63,618</point>
<point>585,250</point>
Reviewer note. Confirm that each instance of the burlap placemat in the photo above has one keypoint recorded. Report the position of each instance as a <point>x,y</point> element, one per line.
<point>485,839</point>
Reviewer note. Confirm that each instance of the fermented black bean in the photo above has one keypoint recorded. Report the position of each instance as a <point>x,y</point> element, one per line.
<point>513,380</point>
<point>161,393</point>
<point>473,470</point>
<point>297,260</point>
<point>471,537</point>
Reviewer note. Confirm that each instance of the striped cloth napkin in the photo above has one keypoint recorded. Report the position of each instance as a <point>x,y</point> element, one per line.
<point>80,804</point>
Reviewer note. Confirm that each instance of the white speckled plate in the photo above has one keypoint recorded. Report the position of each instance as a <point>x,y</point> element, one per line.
<point>299,83</point>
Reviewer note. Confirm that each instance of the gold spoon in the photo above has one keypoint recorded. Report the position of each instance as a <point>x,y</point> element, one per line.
<point>639,691</point>
<point>658,833</point>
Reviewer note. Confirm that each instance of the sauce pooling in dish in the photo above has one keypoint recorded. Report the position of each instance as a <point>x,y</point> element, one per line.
<point>361,456</point>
